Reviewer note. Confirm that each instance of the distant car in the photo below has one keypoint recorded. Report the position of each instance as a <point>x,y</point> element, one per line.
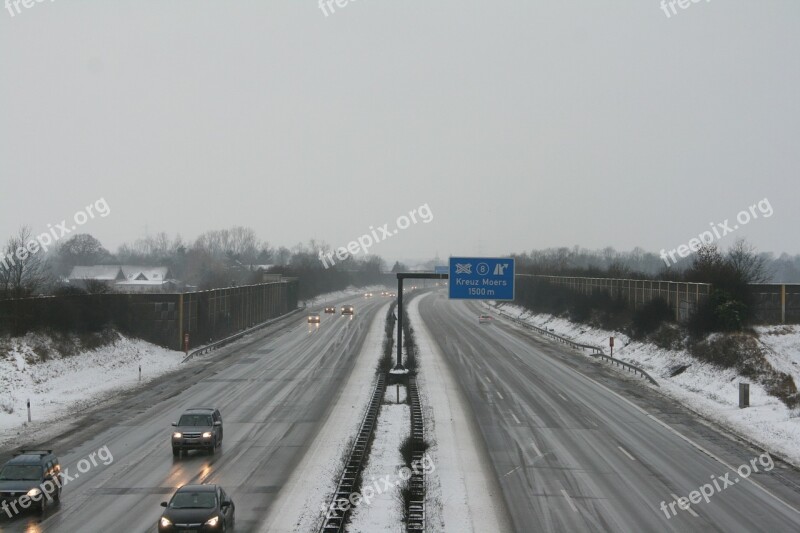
<point>199,428</point>
<point>367,295</point>
<point>26,475</point>
<point>313,318</point>
<point>485,319</point>
<point>348,310</point>
<point>197,508</point>
<point>330,309</point>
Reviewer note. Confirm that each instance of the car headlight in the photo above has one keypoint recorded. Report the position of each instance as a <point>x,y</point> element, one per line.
<point>207,435</point>
<point>34,492</point>
<point>213,521</point>
<point>165,522</point>
<point>177,435</point>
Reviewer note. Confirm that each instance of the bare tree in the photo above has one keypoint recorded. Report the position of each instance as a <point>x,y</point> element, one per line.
<point>97,286</point>
<point>23,269</point>
<point>749,265</point>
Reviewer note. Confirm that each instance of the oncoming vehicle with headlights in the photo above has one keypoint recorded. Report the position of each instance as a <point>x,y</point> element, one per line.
<point>197,508</point>
<point>199,428</point>
<point>28,480</point>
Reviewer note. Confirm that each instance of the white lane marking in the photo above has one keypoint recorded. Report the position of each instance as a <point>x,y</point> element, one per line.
<point>679,434</point>
<point>562,396</point>
<point>512,471</point>
<point>623,450</point>
<point>500,395</point>
<point>592,422</point>
<point>487,379</point>
<point>515,418</point>
<point>536,449</point>
<point>750,479</point>
<point>688,506</point>
<point>569,500</point>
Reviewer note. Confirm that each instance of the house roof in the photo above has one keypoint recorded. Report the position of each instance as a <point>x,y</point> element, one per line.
<point>96,272</point>
<point>145,273</point>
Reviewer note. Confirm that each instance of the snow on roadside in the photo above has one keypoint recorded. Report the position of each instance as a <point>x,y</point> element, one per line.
<point>382,509</point>
<point>308,490</point>
<point>462,494</point>
<point>62,385</point>
<point>709,390</point>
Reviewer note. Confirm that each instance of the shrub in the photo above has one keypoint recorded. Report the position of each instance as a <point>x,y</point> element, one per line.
<point>649,317</point>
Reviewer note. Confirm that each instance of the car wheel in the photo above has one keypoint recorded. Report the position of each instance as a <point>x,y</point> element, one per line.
<point>176,451</point>
<point>57,495</point>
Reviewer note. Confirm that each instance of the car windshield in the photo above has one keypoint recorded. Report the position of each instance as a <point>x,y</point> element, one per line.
<point>195,420</point>
<point>193,500</point>
<point>21,473</point>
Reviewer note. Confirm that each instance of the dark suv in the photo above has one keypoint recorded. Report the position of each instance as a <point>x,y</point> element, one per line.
<point>198,508</point>
<point>30,477</point>
<point>199,428</point>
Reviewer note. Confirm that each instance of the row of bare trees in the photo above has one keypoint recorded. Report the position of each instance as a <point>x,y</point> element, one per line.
<point>217,258</point>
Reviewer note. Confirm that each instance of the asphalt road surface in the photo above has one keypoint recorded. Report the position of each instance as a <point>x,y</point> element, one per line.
<point>571,455</point>
<point>273,388</point>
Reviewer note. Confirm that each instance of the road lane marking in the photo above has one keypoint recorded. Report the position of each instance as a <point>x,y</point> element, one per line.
<point>515,418</point>
<point>702,449</point>
<point>536,449</point>
<point>500,395</point>
<point>562,396</point>
<point>487,379</point>
<point>569,500</point>
<point>623,450</point>
<point>682,436</point>
<point>512,471</point>
<point>688,506</point>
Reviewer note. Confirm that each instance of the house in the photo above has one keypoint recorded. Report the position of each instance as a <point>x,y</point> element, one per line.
<point>82,276</point>
<point>125,278</point>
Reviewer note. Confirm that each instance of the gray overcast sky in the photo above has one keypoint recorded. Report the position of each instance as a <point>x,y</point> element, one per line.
<point>522,124</point>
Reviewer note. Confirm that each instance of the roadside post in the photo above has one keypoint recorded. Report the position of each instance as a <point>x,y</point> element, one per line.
<point>29,409</point>
<point>611,345</point>
<point>186,342</point>
<point>744,395</point>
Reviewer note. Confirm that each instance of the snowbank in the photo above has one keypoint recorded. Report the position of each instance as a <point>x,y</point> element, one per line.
<point>63,384</point>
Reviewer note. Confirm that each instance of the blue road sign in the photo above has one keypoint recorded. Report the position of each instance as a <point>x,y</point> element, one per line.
<point>441,269</point>
<point>481,278</point>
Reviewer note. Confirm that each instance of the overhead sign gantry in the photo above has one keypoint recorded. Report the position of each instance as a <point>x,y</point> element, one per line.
<point>470,278</point>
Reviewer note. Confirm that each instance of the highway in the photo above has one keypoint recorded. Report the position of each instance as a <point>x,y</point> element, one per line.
<point>273,388</point>
<point>577,447</point>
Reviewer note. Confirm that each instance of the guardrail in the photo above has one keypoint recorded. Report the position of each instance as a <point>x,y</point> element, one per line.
<point>596,350</point>
<point>416,504</point>
<point>340,505</point>
<point>220,343</point>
